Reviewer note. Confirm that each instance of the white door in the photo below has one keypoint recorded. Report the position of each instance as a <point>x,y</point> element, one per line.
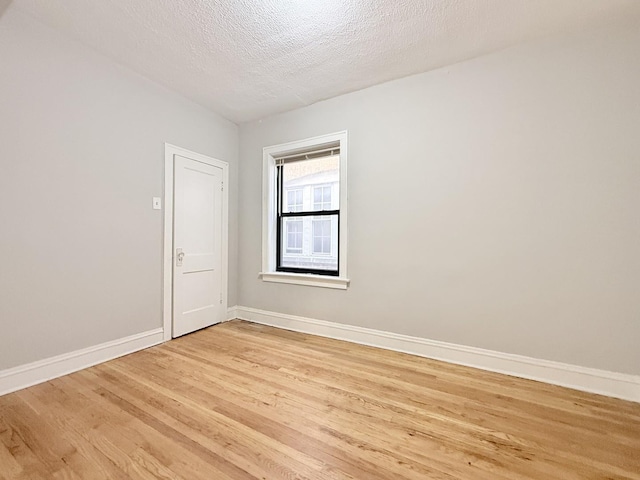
<point>198,280</point>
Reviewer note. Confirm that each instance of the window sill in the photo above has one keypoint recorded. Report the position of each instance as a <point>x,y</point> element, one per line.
<point>324,281</point>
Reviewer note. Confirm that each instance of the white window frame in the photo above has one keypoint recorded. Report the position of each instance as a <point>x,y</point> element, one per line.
<point>269,231</point>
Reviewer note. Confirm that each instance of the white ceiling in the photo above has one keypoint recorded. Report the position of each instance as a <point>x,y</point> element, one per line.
<point>247,59</point>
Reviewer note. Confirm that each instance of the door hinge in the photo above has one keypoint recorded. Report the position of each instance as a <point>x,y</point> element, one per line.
<point>220,298</point>
<point>222,186</point>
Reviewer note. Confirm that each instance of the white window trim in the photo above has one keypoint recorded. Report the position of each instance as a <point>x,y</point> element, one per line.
<point>269,273</point>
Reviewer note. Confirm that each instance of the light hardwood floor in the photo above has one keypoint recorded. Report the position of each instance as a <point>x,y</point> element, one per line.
<point>244,401</point>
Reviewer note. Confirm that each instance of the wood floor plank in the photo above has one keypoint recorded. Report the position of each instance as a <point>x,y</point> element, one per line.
<point>235,423</point>
<point>367,358</point>
<point>324,422</point>
<point>10,465</point>
<point>490,438</point>
<point>244,401</point>
<point>83,460</point>
<point>31,465</point>
<point>591,436</point>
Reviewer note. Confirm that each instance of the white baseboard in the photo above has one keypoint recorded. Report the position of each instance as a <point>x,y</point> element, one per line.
<point>592,380</point>
<point>24,376</point>
<point>232,313</point>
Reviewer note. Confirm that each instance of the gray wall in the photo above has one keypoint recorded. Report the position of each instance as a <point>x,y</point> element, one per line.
<point>82,155</point>
<point>494,203</point>
<point>4,4</point>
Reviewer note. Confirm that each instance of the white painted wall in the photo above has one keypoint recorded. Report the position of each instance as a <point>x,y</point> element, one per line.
<point>82,142</point>
<point>494,203</point>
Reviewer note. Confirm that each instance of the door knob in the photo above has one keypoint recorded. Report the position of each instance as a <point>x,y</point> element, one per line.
<point>179,257</point>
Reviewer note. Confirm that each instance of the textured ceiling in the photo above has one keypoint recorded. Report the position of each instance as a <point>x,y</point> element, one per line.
<point>246,59</point>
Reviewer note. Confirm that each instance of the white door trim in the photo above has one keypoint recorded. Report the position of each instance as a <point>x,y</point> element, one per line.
<point>167,271</point>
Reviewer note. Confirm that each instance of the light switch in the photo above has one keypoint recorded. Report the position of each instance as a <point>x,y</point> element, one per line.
<point>157,203</point>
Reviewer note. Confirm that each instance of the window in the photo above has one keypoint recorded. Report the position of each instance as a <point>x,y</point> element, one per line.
<point>304,212</point>
<point>294,236</point>
<point>310,176</point>
<point>322,197</point>
<point>322,236</point>
<point>294,200</point>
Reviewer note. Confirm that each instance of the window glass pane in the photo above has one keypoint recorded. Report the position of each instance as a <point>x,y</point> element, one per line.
<point>310,242</point>
<point>322,236</point>
<point>294,200</point>
<point>322,198</point>
<point>312,181</point>
<point>293,240</point>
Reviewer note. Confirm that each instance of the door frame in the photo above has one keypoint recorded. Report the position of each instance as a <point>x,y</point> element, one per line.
<point>167,271</point>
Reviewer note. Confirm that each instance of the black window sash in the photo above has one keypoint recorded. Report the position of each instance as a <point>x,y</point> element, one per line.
<point>281,214</point>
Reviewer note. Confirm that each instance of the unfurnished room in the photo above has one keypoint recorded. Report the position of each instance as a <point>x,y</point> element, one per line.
<point>320,240</point>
